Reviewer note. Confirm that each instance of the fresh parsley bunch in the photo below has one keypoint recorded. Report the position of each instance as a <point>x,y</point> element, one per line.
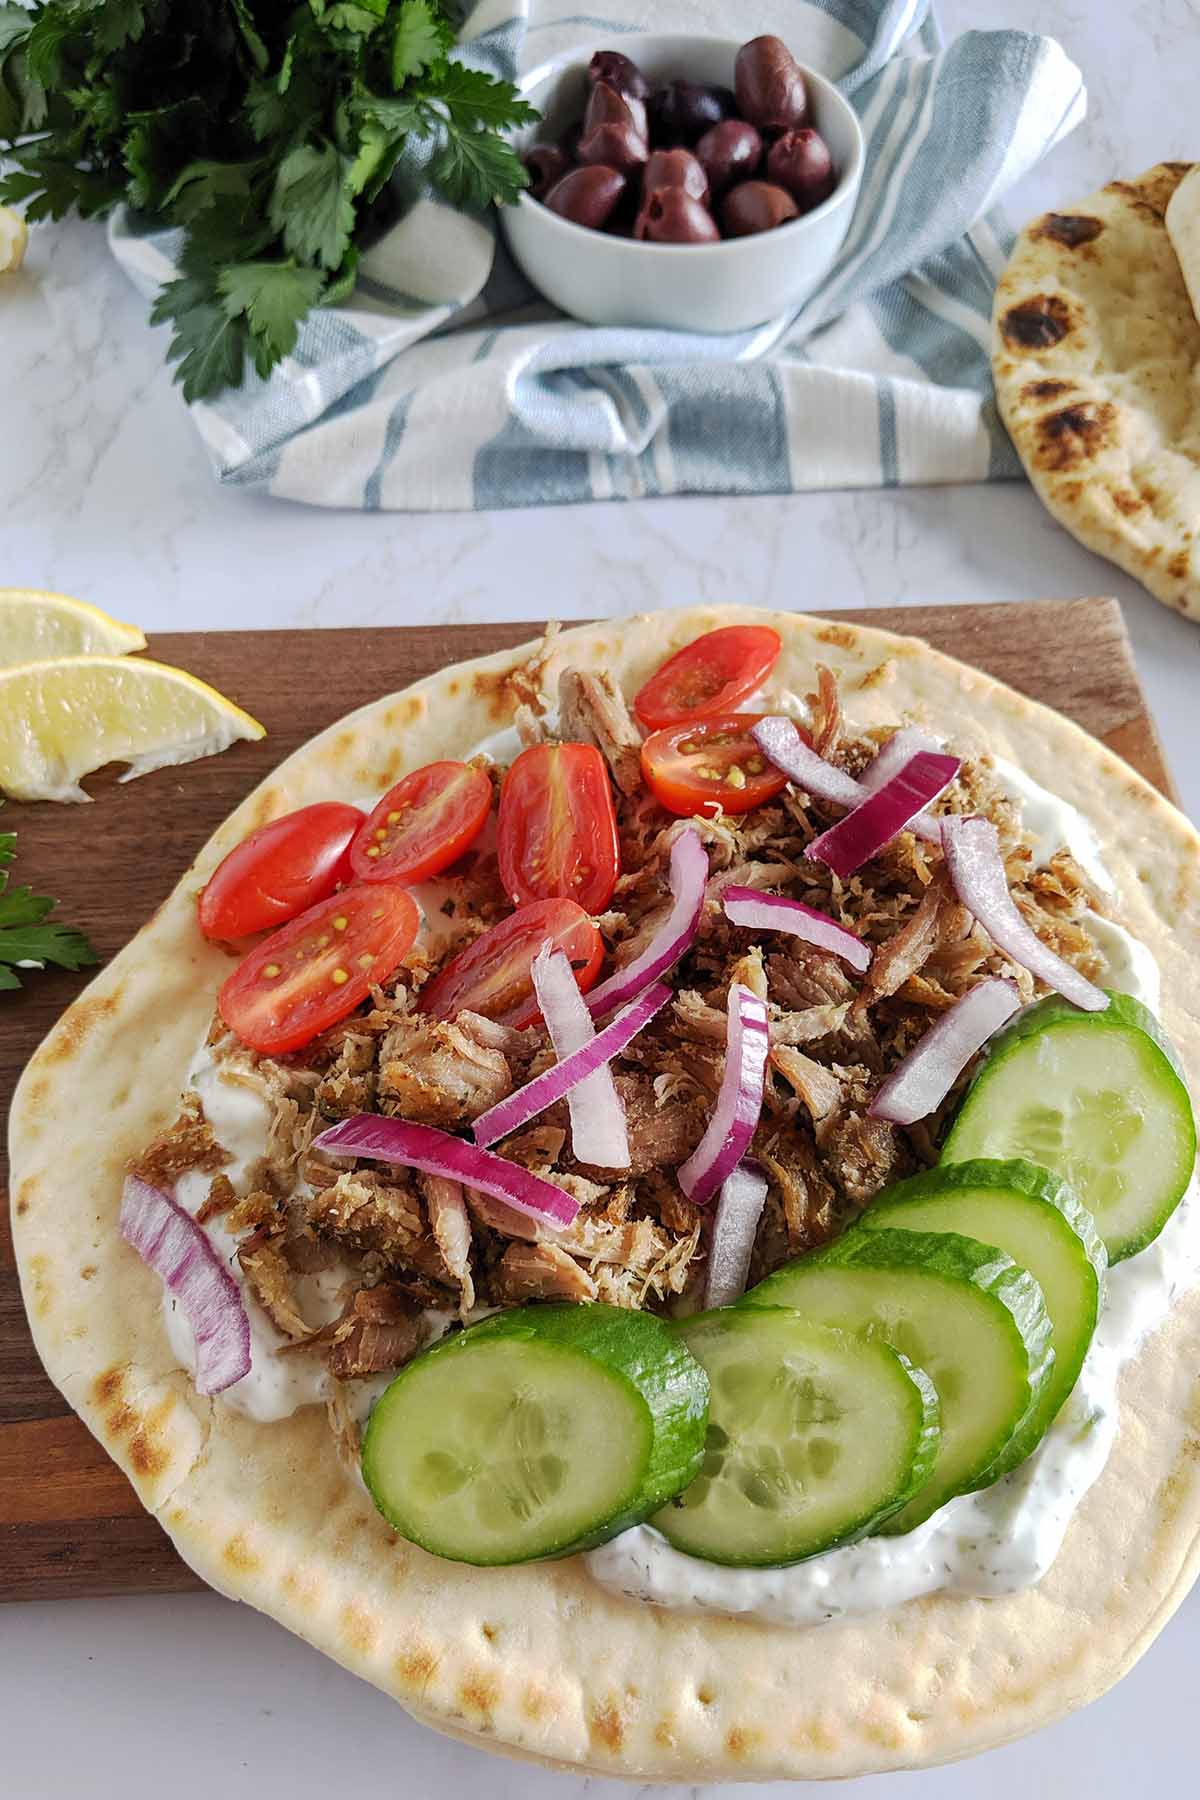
<point>267,130</point>
<point>25,937</point>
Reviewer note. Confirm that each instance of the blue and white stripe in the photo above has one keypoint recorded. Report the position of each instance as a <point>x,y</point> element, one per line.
<point>446,383</point>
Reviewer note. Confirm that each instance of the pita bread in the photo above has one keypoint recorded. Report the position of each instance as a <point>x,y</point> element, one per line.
<point>1096,358</point>
<point>539,1662</point>
<point>1183,229</point>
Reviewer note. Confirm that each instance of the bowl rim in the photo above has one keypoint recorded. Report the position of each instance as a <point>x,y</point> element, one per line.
<point>848,183</point>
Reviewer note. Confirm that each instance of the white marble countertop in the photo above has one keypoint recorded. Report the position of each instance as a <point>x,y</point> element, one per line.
<point>106,494</point>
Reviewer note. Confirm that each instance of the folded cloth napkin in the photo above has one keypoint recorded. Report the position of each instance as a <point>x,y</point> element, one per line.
<point>447,383</point>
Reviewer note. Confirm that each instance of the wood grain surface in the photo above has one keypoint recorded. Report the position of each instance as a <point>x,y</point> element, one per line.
<point>69,1522</point>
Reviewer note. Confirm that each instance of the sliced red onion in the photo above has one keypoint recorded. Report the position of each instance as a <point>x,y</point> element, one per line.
<point>972,851</point>
<point>739,1102</point>
<point>774,912</point>
<point>900,748</point>
<point>921,1082</point>
<point>688,876</point>
<point>782,743</point>
<point>863,833</point>
<point>566,1076</point>
<point>437,1153</point>
<point>743,1195</point>
<point>598,1133</point>
<point>170,1242</point>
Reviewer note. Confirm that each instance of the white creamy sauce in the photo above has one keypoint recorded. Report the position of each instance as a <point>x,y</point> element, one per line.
<point>1005,1537</point>
<point>994,1542</point>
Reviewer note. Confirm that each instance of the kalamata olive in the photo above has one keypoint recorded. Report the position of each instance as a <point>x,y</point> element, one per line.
<point>729,152</point>
<point>683,111</point>
<point>770,85</point>
<point>671,215</point>
<point>675,168</point>
<point>800,162</point>
<point>587,196</point>
<point>619,72</point>
<point>755,206</point>
<point>546,164</point>
<point>614,130</point>
<point>568,143</point>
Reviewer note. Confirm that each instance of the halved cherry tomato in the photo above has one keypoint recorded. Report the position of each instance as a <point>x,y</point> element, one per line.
<point>694,769</point>
<point>279,870</point>
<point>492,975</point>
<point>423,824</point>
<point>710,676</point>
<point>557,833</point>
<point>313,972</point>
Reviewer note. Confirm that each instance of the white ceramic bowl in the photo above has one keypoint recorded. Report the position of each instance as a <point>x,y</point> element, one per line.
<point>730,286</point>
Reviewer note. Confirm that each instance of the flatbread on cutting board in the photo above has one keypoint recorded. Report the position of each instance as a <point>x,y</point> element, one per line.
<point>1096,358</point>
<point>538,1661</point>
<point>1183,229</point>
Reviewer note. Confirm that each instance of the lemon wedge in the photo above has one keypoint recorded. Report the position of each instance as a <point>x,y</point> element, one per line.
<point>14,241</point>
<point>34,626</point>
<point>62,718</point>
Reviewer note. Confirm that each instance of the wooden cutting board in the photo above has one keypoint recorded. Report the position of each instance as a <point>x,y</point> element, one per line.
<point>69,1522</point>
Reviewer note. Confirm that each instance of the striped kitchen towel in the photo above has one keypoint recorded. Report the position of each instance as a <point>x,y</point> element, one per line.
<point>446,383</point>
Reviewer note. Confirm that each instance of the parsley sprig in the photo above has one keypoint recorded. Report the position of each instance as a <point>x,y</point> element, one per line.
<point>25,937</point>
<point>268,131</point>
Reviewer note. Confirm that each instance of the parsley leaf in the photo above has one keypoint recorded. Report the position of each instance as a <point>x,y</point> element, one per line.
<point>267,132</point>
<point>421,38</point>
<point>273,298</point>
<point>311,204</point>
<point>475,168</point>
<point>25,937</point>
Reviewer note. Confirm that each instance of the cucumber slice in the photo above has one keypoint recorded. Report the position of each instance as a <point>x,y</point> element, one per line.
<point>963,1312</point>
<point>1098,1098</point>
<point>1034,1217</point>
<point>814,1438</point>
<point>541,1431</point>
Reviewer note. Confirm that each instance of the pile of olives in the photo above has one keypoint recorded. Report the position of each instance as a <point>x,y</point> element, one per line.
<point>687,163</point>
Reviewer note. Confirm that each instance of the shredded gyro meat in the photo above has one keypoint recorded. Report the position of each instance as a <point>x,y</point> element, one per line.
<point>451,1227</point>
<point>592,710</point>
<point>438,1073</point>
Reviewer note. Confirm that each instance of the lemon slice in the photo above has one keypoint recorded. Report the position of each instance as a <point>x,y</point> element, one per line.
<point>63,718</point>
<point>35,626</point>
<point>14,241</point>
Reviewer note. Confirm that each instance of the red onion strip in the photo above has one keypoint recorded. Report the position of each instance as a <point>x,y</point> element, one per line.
<point>435,1152</point>
<point>739,1102</point>
<point>735,1225</point>
<point>170,1242</point>
<point>863,833</point>
<point>553,1084</point>
<point>688,876</point>
<point>774,912</point>
<point>900,748</point>
<point>972,851</point>
<point>779,739</point>
<point>598,1133</point>
<point>921,1082</point>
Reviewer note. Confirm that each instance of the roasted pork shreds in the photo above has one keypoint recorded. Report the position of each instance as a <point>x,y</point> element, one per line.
<point>384,1329</point>
<point>269,1275</point>
<point>592,709</point>
<point>451,1227</point>
<point>221,1196</point>
<point>188,1144</point>
<point>425,1242</point>
<point>540,1272</point>
<point>440,1074</point>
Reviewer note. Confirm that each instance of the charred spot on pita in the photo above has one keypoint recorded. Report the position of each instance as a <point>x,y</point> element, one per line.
<point>1037,323</point>
<point>1068,229</point>
<point>1046,390</point>
<point>1071,436</point>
